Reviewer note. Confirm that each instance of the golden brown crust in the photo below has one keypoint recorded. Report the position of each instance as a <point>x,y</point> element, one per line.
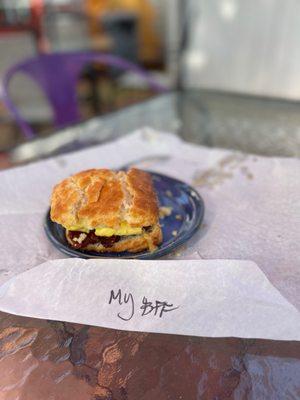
<point>132,244</point>
<point>105,198</point>
<point>144,205</point>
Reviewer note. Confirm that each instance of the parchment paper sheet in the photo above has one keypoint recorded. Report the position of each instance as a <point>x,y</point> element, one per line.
<point>204,298</point>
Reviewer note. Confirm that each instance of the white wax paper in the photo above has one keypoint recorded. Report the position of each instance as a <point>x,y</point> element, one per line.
<point>252,213</point>
<point>204,298</point>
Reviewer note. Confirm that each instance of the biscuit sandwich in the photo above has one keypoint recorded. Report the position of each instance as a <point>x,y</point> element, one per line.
<point>108,211</point>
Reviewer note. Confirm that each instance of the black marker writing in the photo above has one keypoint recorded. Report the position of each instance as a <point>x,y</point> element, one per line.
<point>128,298</point>
<point>156,308</point>
<point>159,307</point>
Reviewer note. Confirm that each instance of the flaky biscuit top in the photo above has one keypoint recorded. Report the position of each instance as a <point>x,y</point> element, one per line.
<point>101,198</point>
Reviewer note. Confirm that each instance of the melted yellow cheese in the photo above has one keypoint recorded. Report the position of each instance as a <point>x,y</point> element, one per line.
<point>78,228</point>
<point>123,230</point>
<point>104,232</point>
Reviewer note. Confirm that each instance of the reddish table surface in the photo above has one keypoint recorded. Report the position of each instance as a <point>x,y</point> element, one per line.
<point>43,360</point>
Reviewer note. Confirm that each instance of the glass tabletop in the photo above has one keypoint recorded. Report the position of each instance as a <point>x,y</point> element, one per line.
<point>250,124</point>
<point>42,359</point>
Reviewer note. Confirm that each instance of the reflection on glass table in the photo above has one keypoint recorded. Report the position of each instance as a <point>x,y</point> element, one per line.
<point>40,358</point>
<point>250,124</point>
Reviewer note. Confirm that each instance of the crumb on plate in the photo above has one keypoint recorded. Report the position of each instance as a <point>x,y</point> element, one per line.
<point>165,211</point>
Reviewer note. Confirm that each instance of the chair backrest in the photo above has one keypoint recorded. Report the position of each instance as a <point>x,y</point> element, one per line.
<point>15,47</point>
<point>57,75</point>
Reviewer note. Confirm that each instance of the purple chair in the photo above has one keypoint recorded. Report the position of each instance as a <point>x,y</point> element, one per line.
<point>57,75</point>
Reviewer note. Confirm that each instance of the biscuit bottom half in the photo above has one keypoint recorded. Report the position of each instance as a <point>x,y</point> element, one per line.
<point>148,240</point>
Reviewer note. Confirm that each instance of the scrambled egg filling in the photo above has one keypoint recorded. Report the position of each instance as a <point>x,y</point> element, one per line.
<point>123,230</point>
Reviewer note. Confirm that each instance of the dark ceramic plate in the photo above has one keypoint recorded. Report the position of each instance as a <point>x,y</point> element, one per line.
<point>185,219</point>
